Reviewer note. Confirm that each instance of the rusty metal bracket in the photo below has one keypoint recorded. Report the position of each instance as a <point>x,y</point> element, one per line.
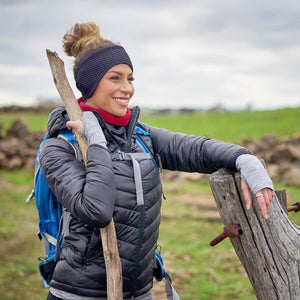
<point>230,230</point>
<point>295,207</point>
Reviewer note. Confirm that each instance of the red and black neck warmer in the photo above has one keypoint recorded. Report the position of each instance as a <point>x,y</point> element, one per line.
<point>107,117</point>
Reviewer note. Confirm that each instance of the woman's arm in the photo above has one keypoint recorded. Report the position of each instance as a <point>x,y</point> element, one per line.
<point>199,154</point>
<point>88,193</point>
<point>189,153</point>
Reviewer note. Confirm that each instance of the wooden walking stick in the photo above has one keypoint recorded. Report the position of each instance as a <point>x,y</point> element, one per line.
<point>108,234</point>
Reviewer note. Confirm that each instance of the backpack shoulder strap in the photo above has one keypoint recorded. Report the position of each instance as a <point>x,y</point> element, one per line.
<point>68,136</point>
<point>36,170</point>
<point>143,137</point>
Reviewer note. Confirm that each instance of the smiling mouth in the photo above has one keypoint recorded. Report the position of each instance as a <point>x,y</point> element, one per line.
<point>123,101</point>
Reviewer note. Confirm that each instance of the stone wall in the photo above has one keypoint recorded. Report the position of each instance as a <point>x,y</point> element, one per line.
<point>19,146</point>
<point>282,156</point>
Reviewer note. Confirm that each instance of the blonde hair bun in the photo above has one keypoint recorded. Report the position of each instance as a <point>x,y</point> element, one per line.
<point>81,36</point>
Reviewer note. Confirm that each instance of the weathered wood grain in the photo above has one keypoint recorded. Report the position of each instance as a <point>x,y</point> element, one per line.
<point>268,249</point>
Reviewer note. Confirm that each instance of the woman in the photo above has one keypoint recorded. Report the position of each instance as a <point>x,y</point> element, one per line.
<point>106,187</point>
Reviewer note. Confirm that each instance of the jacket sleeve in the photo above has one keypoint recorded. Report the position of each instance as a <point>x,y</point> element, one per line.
<point>190,153</point>
<point>88,193</point>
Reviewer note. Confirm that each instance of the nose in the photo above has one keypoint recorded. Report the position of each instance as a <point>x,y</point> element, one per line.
<point>127,87</point>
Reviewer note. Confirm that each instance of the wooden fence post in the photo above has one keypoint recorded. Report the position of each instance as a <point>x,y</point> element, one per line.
<point>268,249</point>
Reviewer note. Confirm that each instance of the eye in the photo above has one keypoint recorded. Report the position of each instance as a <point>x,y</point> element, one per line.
<point>131,79</point>
<point>114,77</point>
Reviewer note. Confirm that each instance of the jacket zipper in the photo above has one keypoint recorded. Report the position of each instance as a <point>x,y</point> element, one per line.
<point>131,128</point>
<point>139,246</point>
<point>132,123</point>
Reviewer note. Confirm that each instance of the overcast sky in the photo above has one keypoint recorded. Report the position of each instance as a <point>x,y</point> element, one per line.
<point>189,53</point>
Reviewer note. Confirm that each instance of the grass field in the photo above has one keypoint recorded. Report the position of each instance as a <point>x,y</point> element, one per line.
<point>35,121</point>
<point>229,126</point>
<point>199,271</point>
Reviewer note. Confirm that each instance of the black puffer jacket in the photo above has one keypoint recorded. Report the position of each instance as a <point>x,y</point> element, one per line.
<point>106,189</point>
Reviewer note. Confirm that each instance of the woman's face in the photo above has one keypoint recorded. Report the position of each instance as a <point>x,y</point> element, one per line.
<point>114,91</point>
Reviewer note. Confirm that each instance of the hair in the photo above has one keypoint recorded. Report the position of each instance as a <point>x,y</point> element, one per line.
<point>82,40</point>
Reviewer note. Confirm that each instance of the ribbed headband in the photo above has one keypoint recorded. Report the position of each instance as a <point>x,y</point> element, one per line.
<point>91,70</point>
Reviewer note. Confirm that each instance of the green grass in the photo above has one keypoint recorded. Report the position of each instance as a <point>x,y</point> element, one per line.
<point>228,126</point>
<point>19,277</point>
<point>231,126</point>
<point>213,272</point>
<point>199,271</point>
<point>35,121</point>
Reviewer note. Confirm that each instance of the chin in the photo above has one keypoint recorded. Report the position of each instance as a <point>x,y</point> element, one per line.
<point>120,113</point>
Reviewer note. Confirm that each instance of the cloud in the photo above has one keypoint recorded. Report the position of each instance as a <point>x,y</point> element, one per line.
<point>185,53</point>
<point>21,70</point>
<point>9,97</point>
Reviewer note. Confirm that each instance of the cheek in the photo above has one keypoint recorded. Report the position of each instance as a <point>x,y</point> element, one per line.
<point>132,89</point>
<point>106,87</point>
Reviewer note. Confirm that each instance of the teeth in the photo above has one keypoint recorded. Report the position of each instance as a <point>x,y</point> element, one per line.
<point>121,100</point>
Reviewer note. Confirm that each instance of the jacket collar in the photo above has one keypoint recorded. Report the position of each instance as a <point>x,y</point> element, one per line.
<point>130,128</point>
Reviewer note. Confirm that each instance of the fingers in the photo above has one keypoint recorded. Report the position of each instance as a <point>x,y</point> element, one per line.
<point>267,196</point>
<point>246,194</point>
<point>262,203</point>
<point>71,124</point>
<point>76,125</point>
<point>264,198</point>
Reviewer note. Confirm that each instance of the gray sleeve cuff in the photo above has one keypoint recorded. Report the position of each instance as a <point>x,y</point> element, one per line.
<point>92,131</point>
<point>254,173</point>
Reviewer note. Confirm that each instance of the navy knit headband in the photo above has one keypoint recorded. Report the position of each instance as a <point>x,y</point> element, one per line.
<point>90,71</point>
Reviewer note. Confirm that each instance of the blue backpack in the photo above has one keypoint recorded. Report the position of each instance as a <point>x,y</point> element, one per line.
<point>52,222</point>
<point>54,219</point>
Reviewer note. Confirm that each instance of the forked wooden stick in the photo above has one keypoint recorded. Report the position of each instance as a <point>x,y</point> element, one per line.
<point>108,234</point>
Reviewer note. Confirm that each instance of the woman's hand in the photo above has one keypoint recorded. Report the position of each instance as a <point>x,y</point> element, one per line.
<point>255,178</point>
<point>263,198</point>
<point>88,126</point>
<point>75,125</point>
